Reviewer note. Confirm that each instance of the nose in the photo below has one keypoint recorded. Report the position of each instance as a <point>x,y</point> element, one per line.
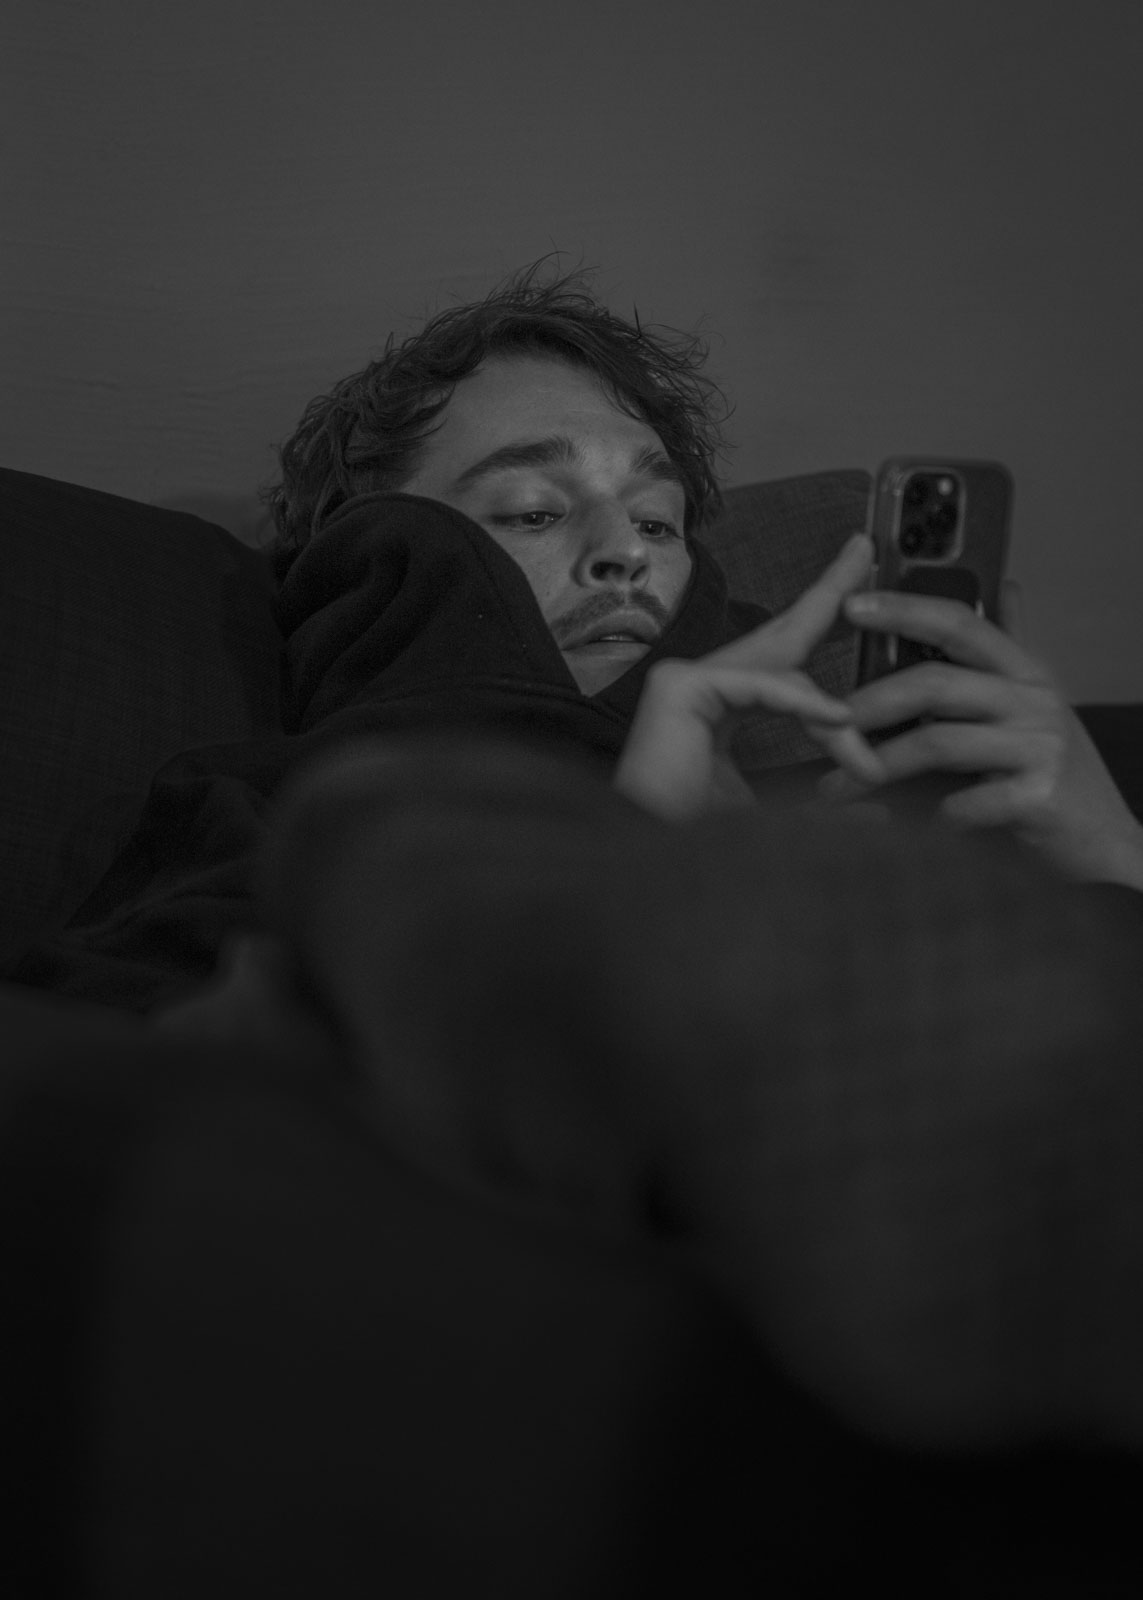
<point>612,550</point>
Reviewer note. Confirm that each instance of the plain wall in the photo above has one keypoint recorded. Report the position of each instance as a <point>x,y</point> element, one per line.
<point>904,225</point>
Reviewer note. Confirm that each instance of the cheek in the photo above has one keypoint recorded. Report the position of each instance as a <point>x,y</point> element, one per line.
<point>542,567</point>
<point>673,574</point>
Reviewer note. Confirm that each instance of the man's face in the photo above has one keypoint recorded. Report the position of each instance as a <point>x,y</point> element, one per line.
<point>582,496</point>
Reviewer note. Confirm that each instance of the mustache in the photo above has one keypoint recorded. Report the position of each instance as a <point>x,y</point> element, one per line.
<point>598,607</point>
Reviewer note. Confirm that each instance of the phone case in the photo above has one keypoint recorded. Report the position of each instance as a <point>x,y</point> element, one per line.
<point>970,568</point>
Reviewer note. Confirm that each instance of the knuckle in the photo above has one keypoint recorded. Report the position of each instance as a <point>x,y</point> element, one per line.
<point>937,677</point>
<point>1047,707</point>
<point>1039,675</point>
<point>1038,795</point>
<point>669,671</point>
<point>1049,761</point>
<point>958,620</point>
<point>931,739</point>
<point>1039,784</point>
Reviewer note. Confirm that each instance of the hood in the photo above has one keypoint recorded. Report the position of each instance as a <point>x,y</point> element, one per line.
<point>405,605</point>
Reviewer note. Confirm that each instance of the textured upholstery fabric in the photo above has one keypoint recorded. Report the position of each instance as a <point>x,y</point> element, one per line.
<point>127,634</point>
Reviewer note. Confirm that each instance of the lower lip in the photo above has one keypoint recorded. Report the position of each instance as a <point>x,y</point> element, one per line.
<point>611,649</point>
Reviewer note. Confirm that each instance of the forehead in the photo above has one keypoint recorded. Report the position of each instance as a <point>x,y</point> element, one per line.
<point>511,397</point>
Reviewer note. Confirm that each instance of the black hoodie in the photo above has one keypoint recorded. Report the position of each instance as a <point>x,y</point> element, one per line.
<point>405,609</point>
<point>400,617</point>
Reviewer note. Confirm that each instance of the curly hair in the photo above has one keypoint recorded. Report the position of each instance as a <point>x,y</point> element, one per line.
<point>366,434</point>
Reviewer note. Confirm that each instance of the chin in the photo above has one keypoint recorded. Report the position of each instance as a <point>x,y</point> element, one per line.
<point>593,677</point>
<point>597,666</point>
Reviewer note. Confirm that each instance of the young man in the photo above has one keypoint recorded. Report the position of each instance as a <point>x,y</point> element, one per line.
<point>584,448</point>
<point>501,878</point>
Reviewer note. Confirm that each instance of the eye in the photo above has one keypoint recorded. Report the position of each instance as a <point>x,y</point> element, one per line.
<point>539,521</point>
<point>523,519</point>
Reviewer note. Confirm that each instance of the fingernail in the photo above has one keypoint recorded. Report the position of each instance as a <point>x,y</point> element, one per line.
<point>863,605</point>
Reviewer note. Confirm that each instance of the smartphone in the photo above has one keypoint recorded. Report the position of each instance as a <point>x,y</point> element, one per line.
<point>939,527</point>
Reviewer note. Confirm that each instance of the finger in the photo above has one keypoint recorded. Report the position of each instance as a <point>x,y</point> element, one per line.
<point>709,692</point>
<point>714,691</point>
<point>673,748</point>
<point>998,803</point>
<point>950,625</point>
<point>950,747</point>
<point>788,638</point>
<point>855,756</point>
<point>937,689</point>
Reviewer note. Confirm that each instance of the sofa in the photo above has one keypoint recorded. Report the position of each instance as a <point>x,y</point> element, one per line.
<point>129,633</point>
<point>244,1354</point>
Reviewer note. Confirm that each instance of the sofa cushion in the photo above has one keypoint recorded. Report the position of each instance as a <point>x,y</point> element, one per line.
<point>127,633</point>
<point>772,540</point>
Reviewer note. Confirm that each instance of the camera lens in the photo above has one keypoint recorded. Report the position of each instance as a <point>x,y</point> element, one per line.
<point>911,538</point>
<point>943,518</point>
<point>915,492</point>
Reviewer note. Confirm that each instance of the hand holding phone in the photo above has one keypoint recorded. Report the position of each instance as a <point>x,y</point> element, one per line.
<point>989,740</point>
<point>939,527</point>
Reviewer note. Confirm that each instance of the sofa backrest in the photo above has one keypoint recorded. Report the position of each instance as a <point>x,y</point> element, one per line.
<point>129,633</point>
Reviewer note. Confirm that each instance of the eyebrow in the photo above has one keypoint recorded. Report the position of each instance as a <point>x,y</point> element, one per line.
<point>558,450</point>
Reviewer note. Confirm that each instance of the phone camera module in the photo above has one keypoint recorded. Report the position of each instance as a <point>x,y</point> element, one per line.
<point>930,503</point>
